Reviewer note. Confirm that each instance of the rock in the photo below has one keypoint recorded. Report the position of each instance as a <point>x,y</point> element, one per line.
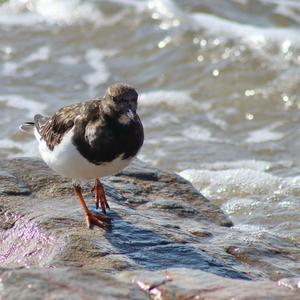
<point>186,284</point>
<point>161,225</point>
<point>170,284</point>
<point>65,283</point>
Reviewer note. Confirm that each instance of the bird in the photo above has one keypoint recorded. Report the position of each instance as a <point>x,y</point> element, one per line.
<point>90,140</point>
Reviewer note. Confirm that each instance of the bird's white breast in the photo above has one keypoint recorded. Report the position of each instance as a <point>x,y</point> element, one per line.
<point>66,160</point>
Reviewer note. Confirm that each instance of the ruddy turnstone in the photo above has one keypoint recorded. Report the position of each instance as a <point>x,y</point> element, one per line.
<point>90,140</point>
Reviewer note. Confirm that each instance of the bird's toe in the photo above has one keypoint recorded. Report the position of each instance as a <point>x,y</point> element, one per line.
<point>98,220</point>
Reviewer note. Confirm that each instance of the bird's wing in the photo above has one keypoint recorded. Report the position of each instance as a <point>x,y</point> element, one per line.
<point>52,129</point>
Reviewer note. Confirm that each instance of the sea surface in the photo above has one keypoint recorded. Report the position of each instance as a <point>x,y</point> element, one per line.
<point>219,85</point>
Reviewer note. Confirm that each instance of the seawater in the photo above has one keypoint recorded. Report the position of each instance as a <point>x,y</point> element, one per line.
<point>218,84</point>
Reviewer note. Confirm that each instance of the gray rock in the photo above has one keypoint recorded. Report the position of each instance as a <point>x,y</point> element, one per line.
<point>186,284</point>
<point>161,225</point>
<point>65,283</point>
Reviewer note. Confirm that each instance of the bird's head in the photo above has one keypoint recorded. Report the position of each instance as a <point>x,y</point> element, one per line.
<point>122,100</point>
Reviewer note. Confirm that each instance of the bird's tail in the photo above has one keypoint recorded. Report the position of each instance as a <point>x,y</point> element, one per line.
<point>27,127</point>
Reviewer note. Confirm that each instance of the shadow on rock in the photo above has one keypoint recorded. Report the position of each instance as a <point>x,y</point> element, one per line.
<point>155,252</point>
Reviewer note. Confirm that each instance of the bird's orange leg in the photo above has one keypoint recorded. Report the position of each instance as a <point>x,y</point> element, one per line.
<point>100,196</point>
<point>91,219</point>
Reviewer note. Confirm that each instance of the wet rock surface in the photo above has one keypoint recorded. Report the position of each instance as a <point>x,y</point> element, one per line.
<point>167,242</point>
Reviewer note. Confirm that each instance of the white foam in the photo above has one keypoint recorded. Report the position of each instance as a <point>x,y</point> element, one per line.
<point>258,165</point>
<point>95,58</point>
<point>12,68</point>
<point>255,36</point>
<point>244,178</point>
<point>287,3</point>
<point>225,184</point>
<point>137,4</point>
<point>266,134</point>
<point>69,60</point>
<point>167,9</point>
<point>9,68</point>
<point>258,202</point>
<point>41,54</point>
<point>28,148</point>
<point>198,133</point>
<point>11,18</point>
<point>168,97</point>
<point>164,118</point>
<point>7,143</point>
<point>19,102</point>
<point>212,116</point>
<point>57,11</point>
<point>254,230</point>
<point>245,205</point>
<point>284,9</point>
<point>29,13</point>
<point>161,140</point>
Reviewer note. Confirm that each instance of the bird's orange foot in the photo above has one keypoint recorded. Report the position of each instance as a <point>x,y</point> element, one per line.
<point>100,196</point>
<point>98,220</point>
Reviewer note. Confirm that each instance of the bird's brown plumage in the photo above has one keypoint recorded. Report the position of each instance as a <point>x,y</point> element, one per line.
<point>103,131</point>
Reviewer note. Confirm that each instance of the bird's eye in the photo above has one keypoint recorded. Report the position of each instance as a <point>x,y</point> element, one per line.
<point>114,98</point>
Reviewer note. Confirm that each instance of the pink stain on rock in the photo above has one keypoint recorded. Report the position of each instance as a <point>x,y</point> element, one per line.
<point>24,243</point>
